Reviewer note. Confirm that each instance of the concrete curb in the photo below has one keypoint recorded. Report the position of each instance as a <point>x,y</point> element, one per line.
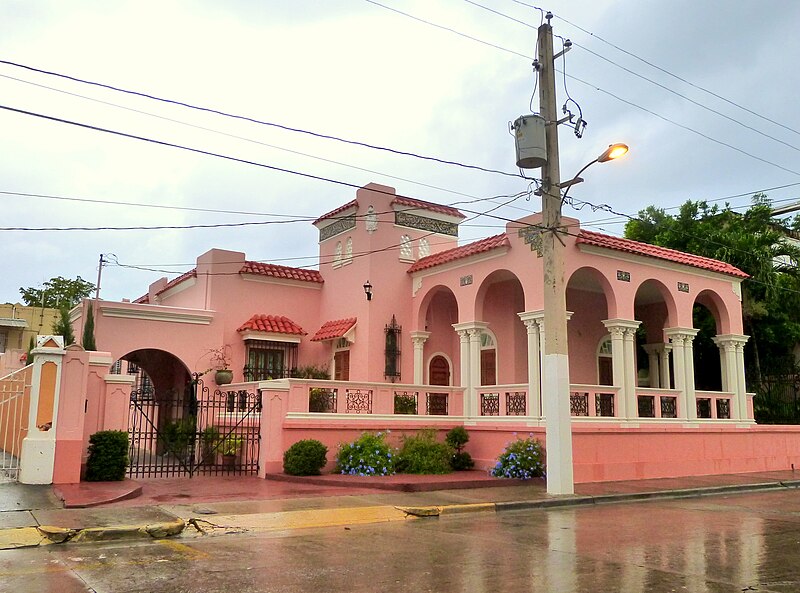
<point>43,535</point>
<point>313,518</point>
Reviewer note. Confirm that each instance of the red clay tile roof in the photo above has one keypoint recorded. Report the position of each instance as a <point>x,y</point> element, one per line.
<point>276,271</point>
<point>178,280</point>
<point>467,250</point>
<point>350,204</point>
<point>629,246</point>
<point>414,203</point>
<point>331,330</point>
<point>276,324</point>
<point>142,300</point>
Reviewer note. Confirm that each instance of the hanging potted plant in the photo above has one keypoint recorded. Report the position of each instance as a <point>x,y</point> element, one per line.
<point>221,359</point>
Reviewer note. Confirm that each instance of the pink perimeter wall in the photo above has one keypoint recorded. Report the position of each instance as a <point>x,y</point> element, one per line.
<point>600,454</point>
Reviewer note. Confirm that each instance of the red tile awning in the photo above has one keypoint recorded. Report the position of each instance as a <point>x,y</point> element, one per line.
<point>276,324</point>
<point>331,330</point>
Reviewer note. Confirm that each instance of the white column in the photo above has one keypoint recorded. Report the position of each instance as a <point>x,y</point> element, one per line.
<point>37,457</point>
<point>624,364</point>
<point>530,319</point>
<point>653,356</point>
<point>418,338</point>
<point>470,336</point>
<point>688,352</point>
<point>683,369</point>
<point>731,350</point>
<point>665,382</point>
<point>631,376</point>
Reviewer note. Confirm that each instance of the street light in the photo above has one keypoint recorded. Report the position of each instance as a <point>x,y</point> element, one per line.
<point>614,151</point>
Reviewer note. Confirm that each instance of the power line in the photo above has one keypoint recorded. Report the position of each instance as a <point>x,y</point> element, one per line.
<point>595,87</point>
<point>258,121</point>
<point>244,138</point>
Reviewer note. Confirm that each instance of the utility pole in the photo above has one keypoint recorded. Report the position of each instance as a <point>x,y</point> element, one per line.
<point>99,274</point>
<point>555,367</point>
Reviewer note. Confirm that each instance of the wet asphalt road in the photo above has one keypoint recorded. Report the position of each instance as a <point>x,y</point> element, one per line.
<point>729,543</point>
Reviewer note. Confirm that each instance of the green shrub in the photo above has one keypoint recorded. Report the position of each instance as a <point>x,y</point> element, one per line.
<point>461,461</point>
<point>523,459</point>
<point>305,458</point>
<point>458,437</point>
<point>177,435</point>
<point>405,404</point>
<point>108,456</point>
<point>423,454</point>
<point>369,455</point>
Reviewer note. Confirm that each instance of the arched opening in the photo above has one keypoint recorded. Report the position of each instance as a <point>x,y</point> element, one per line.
<point>654,308</point>
<point>177,425</point>
<point>605,366</point>
<point>439,371</point>
<point>488,358</point>
<point>587,299</point>
<point>707,367</point>
<point>438,313</point>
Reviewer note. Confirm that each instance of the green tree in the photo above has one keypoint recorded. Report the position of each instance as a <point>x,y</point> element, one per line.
<point>756,243</point>
<point>88,330</point>
<point>57,292</point>
<point>62,327</point>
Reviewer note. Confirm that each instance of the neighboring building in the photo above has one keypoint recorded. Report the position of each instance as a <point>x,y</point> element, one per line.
<point>18,325</point>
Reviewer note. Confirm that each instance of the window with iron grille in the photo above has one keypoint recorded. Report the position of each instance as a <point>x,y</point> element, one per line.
<point>392,369</point>
<point>269,360</point>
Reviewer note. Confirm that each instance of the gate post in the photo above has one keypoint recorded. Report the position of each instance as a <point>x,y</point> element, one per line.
<point>37,459</point>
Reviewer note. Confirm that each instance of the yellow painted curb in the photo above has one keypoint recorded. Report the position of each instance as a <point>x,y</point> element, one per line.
<point>22,537</point>
<point>450,509</point>
<point>302,519</point>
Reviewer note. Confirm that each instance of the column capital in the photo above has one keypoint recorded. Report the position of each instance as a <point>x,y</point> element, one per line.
<point>680,334</point>
<point>622,324</point>
<point>730,340</point>
<point>470,325</point>
<point>419,337</point>
<point>658,348</point>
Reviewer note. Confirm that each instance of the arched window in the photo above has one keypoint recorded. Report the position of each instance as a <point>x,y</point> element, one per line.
<point>424,248</point>
<point>337,256</point>
<point>348,251</point>
<point>488,358</point>
<point>406,251</point>
<point>605,367</point>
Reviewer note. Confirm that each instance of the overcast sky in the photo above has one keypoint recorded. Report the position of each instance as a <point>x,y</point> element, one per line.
<point>357,70</point>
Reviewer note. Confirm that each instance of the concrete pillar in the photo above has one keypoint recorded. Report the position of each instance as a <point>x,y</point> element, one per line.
<point>665,381</point>
<point>470,337</point>
<point>418,338</point>
<point>623,361</point>
<point>682,353</point>
<point>37,458</point>
<point>531,321</point>
<point>653,364</point>
<point>631,376</point>
<point>731,347</point>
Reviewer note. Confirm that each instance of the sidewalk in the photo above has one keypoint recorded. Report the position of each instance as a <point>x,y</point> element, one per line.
<point>211,505</point>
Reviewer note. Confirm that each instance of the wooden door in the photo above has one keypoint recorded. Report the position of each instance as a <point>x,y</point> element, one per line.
<point>341,365</point>
<point>605,370</point>
<point>439,371</point>
<point>488,367</point>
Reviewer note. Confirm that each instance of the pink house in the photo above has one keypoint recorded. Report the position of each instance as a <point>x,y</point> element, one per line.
<point>415,330</point>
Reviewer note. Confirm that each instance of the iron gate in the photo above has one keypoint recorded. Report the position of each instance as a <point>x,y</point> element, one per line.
<point>194,432</point>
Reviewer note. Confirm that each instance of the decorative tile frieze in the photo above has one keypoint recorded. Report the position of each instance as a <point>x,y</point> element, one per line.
<point>532,236</point>
<point>423,223</point>
<point>683,287</point>
<point>343,224</point>
<point>623,276</point>
<point>466,280</point>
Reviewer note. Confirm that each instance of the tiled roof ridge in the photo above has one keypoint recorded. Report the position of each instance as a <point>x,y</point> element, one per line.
<point>336,211</point>
<point>474,248</point>
<point>428,206</point>
<point>279,324</point>
<point>175,281</point>
<point>279,271</point>
<point>334,329</point>
<point>656,251</point>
